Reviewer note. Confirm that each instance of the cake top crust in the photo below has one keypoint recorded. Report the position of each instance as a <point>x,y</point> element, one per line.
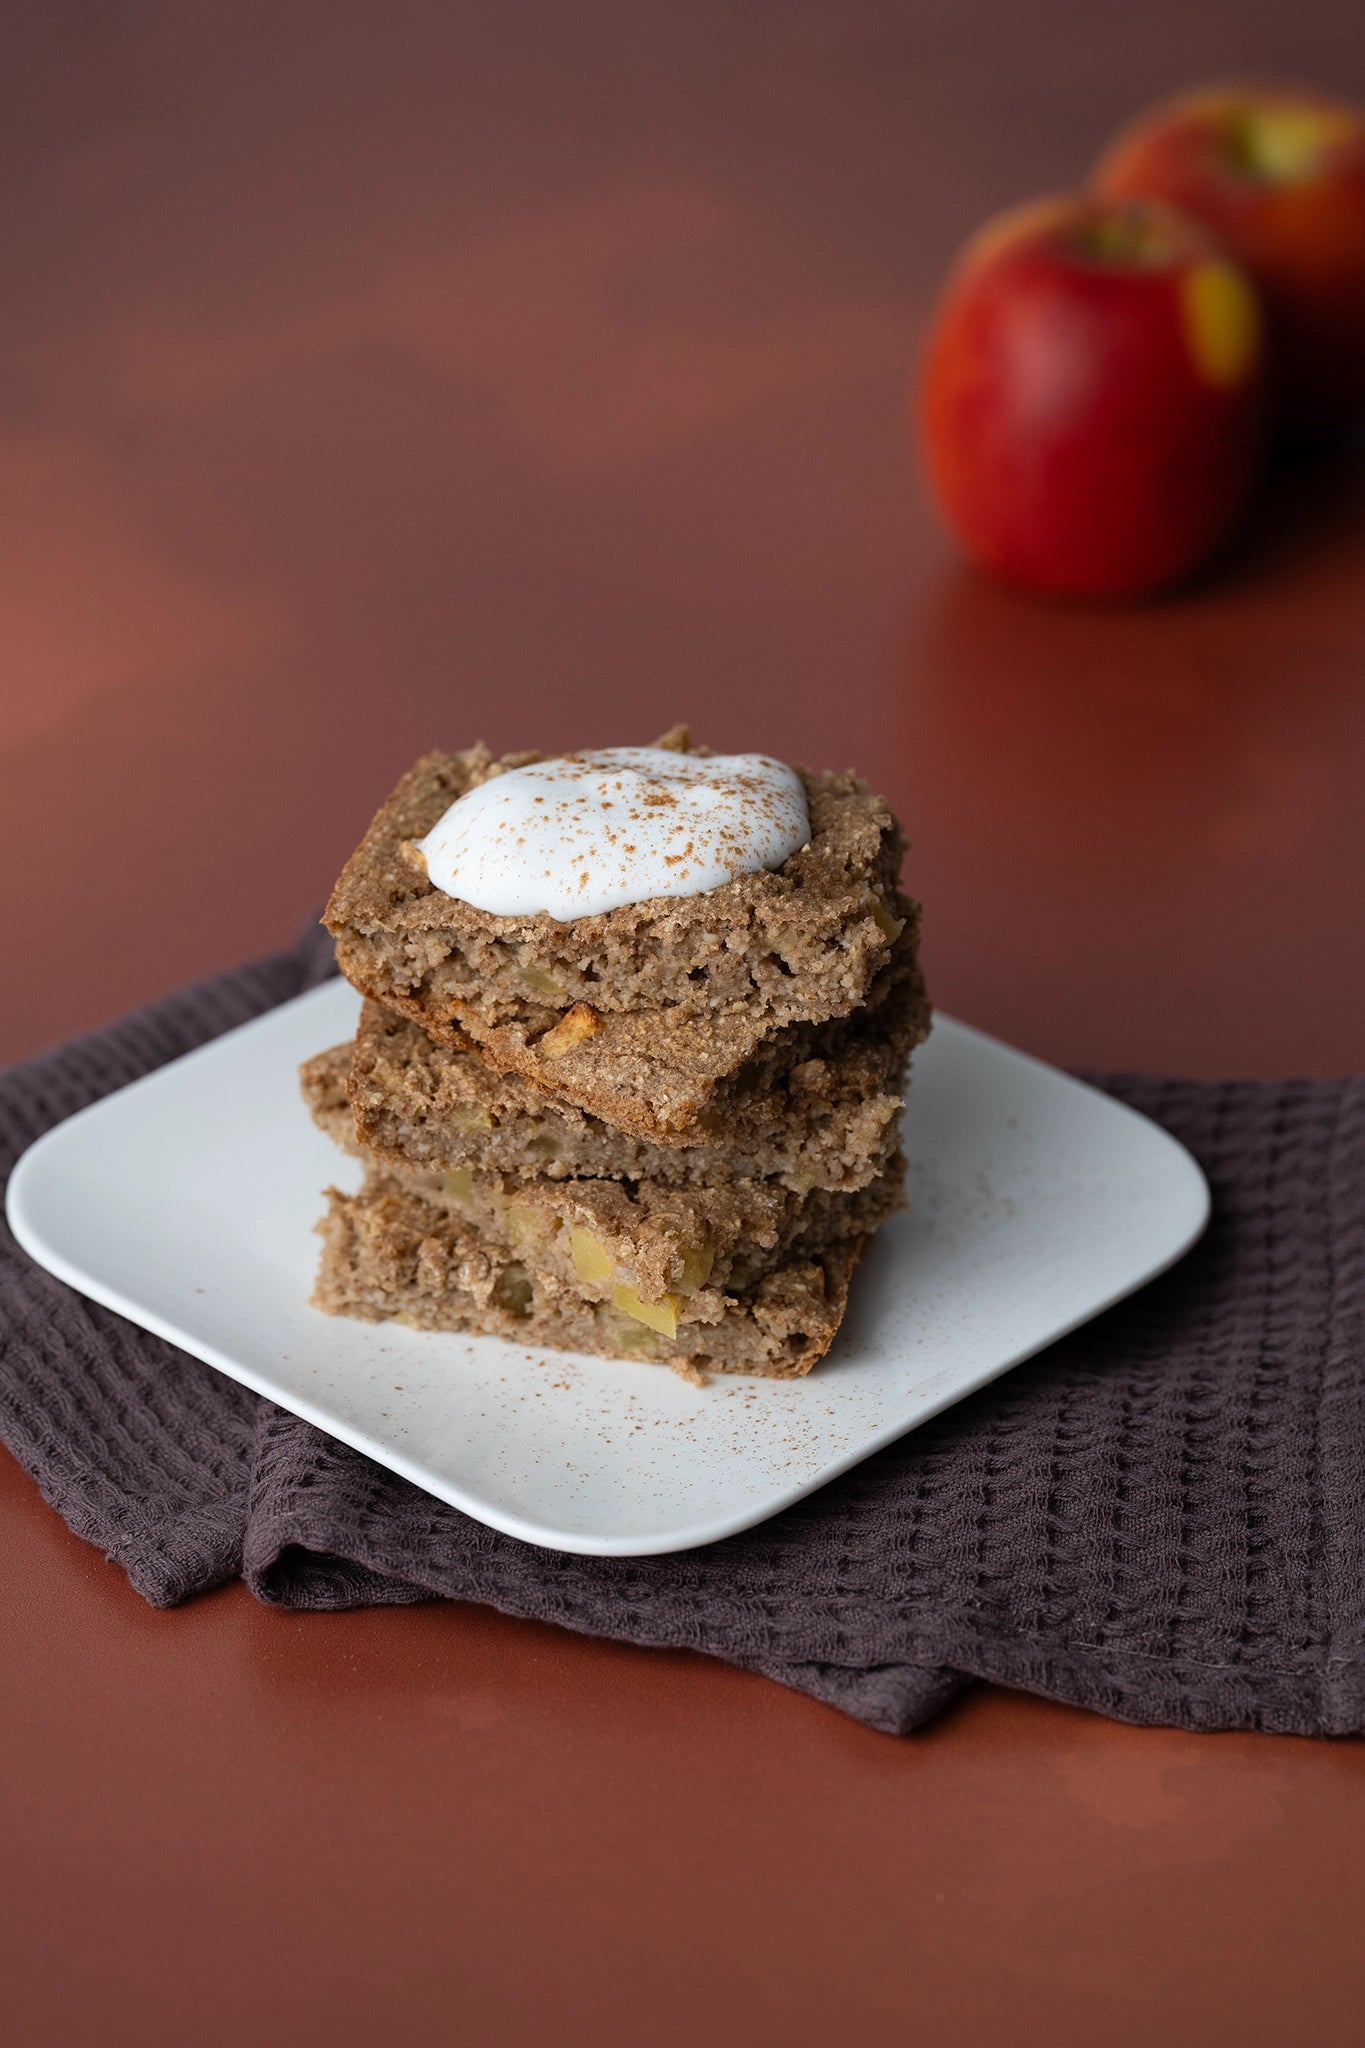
<point>837,880</point>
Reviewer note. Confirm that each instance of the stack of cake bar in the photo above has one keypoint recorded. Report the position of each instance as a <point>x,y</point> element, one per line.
<point>665,1132</point>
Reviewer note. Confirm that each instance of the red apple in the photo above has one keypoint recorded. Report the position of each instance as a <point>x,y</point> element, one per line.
<point>1092,396</point>
<point>1280,177</point>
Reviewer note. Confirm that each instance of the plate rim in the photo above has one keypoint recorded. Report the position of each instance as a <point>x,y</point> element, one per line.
<point>30,1237</point>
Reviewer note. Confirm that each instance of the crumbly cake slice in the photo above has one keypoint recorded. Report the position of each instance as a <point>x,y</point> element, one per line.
<point>799,943</point>
<point>678,1078</point>
<point>830,1121</point>
<point>388,1254</point>
<point>663,1255</point>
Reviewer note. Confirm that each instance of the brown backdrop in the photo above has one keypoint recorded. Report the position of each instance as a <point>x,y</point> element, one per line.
<point>372,378</point>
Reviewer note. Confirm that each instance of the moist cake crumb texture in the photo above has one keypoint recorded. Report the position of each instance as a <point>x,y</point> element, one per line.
<point>665,1130</point>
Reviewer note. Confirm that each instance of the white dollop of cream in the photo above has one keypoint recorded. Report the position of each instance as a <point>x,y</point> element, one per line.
<point>588,832</point>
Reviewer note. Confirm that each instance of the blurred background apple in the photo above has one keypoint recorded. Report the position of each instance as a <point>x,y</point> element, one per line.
<point>1280,177</point>
<point>1092,396</point>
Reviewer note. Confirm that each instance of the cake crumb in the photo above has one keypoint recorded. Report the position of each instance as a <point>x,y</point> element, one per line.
<point>686,1370</point>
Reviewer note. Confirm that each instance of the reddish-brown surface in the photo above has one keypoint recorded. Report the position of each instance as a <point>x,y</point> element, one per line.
<point>371,378</point>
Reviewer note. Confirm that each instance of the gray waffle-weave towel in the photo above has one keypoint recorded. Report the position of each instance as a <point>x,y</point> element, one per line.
<point>1162,1518</point>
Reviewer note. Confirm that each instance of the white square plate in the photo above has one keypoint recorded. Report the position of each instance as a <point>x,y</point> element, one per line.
<point>186,1202</point>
